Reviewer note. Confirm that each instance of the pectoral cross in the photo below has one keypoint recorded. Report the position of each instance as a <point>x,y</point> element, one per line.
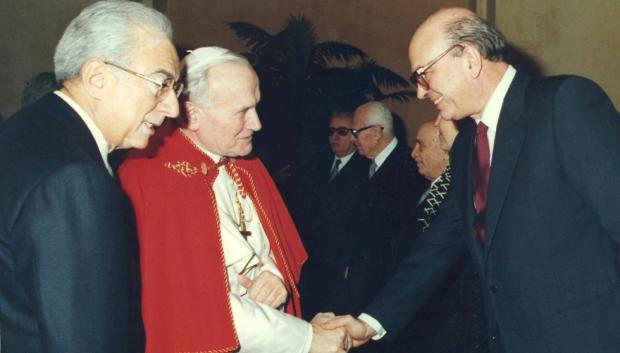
<point>241,216</point>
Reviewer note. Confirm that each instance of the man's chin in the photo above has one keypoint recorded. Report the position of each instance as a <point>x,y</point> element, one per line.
<point>139,142</point>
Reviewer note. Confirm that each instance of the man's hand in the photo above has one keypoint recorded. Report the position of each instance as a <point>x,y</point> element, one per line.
<point>267,289</point>
<point>357,330</point>
<point>328,341</point>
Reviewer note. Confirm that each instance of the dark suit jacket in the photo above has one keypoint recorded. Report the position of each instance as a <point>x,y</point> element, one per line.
<point>388,198</point>
<point>64,257</point>
<point>550,261</point>
<point>452,319</point>
<point>327,226</point>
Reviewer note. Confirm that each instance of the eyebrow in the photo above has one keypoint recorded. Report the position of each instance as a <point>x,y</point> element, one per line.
<point>164,72</point>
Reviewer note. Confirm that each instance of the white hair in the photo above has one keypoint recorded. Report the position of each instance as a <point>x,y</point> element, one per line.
<point>378,113</point>
<point>196,65</point>
<point>105,30</point>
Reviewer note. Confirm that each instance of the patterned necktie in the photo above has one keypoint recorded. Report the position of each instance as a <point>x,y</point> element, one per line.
<point>480,177</point>
<point>334,170</point>
<point>372,169</point>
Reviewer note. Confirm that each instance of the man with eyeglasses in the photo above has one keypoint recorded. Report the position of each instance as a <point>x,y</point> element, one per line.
<point>392,189</point>
<point>327,216</point>
<point>220,255</point>
<point>67,263</point>
<point>534,198</point>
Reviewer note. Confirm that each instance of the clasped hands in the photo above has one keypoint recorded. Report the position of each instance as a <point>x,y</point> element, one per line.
<point>331,333</point>
<point>338,334</point>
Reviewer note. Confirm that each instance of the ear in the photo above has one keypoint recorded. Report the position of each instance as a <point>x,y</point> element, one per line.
<point>193,116</point>
<point>95,77</point>
<point>473,61</point>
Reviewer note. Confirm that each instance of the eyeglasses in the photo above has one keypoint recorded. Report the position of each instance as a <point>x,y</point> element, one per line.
<point>162,86</point>
<point>356,132</point>
<point>341,131</point>
<point>419,76</point>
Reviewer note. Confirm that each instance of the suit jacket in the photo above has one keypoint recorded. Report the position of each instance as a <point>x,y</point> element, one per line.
<point>452,319</point>
<point>64,249</point>
<point>331,210</point>
<point>549,263</point>
<point>388,199</point>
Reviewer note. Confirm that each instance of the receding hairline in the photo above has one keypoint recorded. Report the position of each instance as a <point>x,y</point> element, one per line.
<point>441,19</point>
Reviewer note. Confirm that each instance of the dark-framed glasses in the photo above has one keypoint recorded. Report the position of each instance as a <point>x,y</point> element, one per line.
<point>162,86</point>
<point>418,76</point>
<point>341,131</point>
<point>356,132</point>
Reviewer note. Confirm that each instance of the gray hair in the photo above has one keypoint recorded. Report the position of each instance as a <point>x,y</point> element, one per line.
<point>478,33</point>
<point>195,67</point>
<point>105,30</point>
<point>378,113</point>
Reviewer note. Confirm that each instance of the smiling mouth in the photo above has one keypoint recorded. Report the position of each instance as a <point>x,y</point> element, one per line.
<point>438,100</point>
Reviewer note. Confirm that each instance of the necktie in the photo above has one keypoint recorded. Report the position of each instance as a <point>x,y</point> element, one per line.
<point>480,177</point>
<point>372,169</point>
<point>334,170</point>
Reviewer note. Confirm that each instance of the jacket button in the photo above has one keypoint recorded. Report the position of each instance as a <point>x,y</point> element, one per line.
<point>492,289</point>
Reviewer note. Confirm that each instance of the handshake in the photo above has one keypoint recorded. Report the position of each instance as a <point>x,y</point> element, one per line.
<point>338,334</point>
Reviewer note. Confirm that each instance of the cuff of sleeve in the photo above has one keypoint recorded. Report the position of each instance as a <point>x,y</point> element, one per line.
<point>308,344</point>
<point>374,324</point>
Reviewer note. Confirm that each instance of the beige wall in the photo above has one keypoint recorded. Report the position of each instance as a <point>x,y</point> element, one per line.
<point>29,31</point>
<point>381,28</point>
<point>567,36</point>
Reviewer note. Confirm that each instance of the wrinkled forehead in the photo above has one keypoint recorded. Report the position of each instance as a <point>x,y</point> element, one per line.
<point>428,132</point>
<point>426,43</point>
<point>233,83</point>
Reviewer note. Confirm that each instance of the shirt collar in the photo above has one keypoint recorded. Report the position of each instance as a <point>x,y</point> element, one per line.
<point>344,159</point>
<point>383,155</point>
<point>100,140</point>
<point>490,114</point>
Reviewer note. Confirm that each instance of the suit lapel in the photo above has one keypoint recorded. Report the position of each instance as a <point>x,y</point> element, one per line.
<point>77,131</point>
<point>508,142</point>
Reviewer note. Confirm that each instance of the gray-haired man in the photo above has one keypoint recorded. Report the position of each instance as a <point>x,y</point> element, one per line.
<point>65,259</point>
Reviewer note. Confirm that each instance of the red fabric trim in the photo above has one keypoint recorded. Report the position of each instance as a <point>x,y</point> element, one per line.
<point>184,283</point>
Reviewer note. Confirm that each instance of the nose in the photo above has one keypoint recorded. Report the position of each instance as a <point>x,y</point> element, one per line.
<point>169,106</point>
<point>252,120</point>
<point>416,151</point>
<point>421,91</point>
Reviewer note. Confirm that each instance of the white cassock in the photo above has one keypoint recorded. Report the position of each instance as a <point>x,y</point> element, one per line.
<point>260,328</point>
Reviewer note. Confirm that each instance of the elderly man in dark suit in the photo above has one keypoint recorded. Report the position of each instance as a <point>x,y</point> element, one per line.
<point>393,189</point>
<point>534,198</point>
<point>327,223</point>
<point>66,260</point>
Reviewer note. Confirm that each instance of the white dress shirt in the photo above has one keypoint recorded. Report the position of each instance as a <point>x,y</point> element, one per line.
<point>343,161</point>
<point>260,328</point>
<point>383,155</point>
<point>490,114</point>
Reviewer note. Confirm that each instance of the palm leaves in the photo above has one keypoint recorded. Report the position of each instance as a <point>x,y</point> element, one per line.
<point>294,57</point>
<point>303,80</point>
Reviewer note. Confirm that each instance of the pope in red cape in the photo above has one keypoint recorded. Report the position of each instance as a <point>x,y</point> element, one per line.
<point>220,256</point>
